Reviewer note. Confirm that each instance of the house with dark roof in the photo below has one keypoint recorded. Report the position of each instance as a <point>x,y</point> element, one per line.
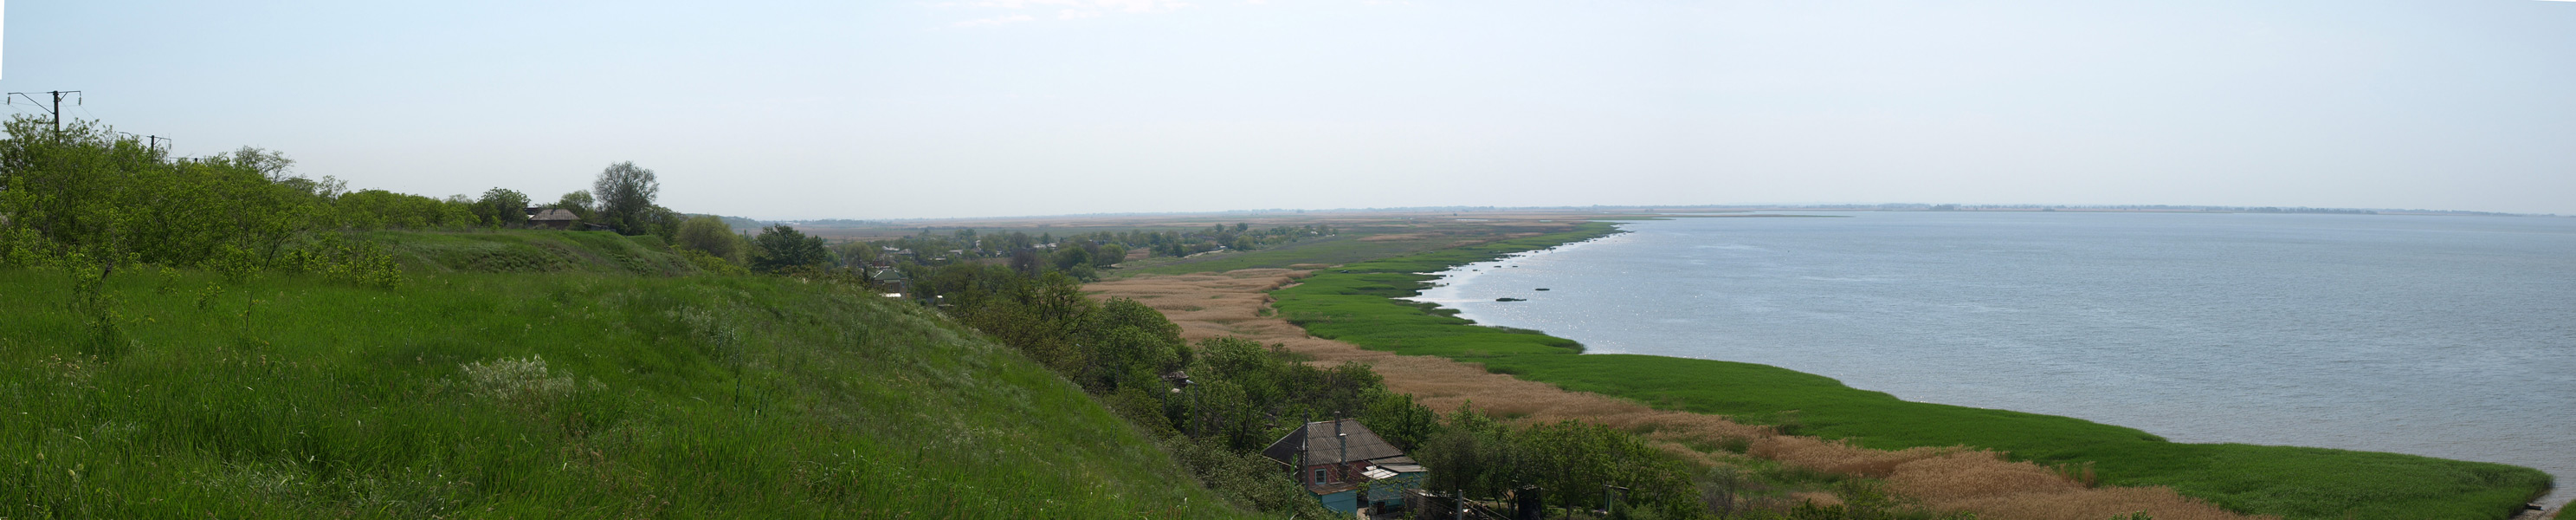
<point>550,218</point>
<point>1339,460</point>
<point>891,281</point>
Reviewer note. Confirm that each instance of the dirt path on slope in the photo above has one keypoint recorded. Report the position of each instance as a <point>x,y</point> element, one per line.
<point>1236,303</point>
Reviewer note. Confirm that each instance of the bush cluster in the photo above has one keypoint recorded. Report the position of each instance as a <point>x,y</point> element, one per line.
<point>88,198</point>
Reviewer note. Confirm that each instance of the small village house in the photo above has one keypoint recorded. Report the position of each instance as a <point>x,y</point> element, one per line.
<point>1337,460</point>
<point>889,280</point>
<point>547,218</point>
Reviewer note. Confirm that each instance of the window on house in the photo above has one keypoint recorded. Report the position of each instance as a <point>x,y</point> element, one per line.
<point>1319,476</point>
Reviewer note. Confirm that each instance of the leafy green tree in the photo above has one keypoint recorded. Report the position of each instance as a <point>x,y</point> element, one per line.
<point>1110,254</point>
<point>662,222</point>
<point>854,252</point>
<point>781,248</point>
<point>1037,315</point>
<point>579,203</point>
<point>626,194</point>
<point>87,195</point>
<point>709,234</point>
<point>455,211</point>
<point>1399,419</point>
<point>1025,261</point>
<point>1129,345</point>
<point>1485,457</point>
<point>1070,255</point>
<point>502,207</point>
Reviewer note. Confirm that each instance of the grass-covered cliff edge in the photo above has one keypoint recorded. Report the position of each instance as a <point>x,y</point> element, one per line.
<point>1354,303</point>
<point>564,391</point>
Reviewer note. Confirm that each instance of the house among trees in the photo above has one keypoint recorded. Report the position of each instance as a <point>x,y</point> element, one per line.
<point>890,280</point>
<point>1338,461</point>
<point>551,218</point>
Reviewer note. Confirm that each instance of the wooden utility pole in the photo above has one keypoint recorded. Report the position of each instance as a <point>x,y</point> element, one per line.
<point>55,110</point>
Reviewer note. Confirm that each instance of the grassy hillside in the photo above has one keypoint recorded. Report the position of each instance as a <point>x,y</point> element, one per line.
<point>515,395</point>
<point>532,251</point>
<point>1351,303</point>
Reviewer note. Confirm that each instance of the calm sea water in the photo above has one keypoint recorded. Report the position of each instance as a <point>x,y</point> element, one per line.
<point>2452,337</point>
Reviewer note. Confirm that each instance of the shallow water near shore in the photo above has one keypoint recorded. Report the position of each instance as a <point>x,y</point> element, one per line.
<point>2451,337</point>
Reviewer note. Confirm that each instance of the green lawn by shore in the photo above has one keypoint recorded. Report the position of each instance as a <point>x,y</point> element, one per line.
<point>1352,303</point>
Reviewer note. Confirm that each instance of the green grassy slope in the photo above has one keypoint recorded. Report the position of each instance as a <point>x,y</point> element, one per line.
<point>532,251</point>
<point>289,397</point>
<point>1351,304</point>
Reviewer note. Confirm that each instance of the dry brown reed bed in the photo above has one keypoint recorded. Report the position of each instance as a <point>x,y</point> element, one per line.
<point>1951,479</point>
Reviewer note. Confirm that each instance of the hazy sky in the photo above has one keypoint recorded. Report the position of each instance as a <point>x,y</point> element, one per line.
<point>785,110</point>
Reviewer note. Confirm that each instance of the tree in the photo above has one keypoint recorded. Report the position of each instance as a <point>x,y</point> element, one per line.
<point>502,207</point>
<point>270,164</point>
<point>1025,261</point>
<point>1130,345</point>
<point>709,234</point>
<point>1110,254</point>
<point>626,197</point>
<point>1070,255</point>
<point>91,197</point>
<point>854,252</point>
<point>780,249</point>
<point>579,203</point>
<point>455,210</point>
<point>661,222</point>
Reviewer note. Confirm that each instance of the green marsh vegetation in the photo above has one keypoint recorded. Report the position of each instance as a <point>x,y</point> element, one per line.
<point>1351,303</point>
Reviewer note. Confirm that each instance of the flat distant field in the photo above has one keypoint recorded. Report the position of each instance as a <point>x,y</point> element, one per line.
<point>1378,221</point>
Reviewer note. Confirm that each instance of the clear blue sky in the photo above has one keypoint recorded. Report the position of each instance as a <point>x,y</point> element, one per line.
<point>790,110</point>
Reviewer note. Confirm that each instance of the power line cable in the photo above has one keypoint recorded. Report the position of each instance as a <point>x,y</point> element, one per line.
<point>57,109</point>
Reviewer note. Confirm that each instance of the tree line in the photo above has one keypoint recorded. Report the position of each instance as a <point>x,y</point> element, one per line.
<point>88,196</point>
<point>1079,255</point>
<point>90,200</point>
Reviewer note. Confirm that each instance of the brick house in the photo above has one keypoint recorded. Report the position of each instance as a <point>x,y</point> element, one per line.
<point>1335,460</point>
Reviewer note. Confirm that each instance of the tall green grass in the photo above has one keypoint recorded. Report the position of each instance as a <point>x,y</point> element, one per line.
<point>532,251</point>
<point>465,395</point>
<point>1352,304</point>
